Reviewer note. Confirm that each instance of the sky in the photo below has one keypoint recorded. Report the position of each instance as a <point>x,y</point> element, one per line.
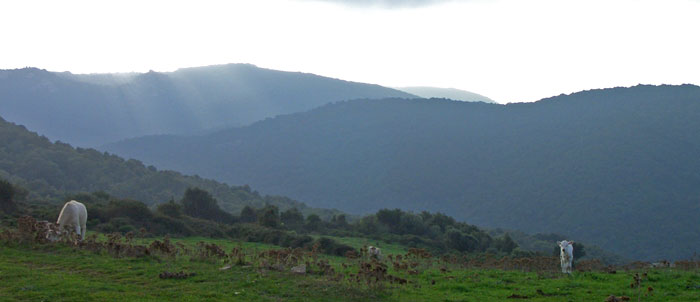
<point>508,50</point>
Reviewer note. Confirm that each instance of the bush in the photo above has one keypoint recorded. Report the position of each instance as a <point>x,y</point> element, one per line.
<point>118,224</point>
<point>413,241</point>
<point>300,241</point>
<point>7,194</point>
<point>199,203</point>
<point>331,247</point>
<point>269,217</point>
<point>248,215</point>
<point>292,219</point>
<point>170,209</point>
<point>275,237</point>
<point>256,233</point>
<point>135,210</point>
<point>461,242</point>
<point>166,225</point>
<point>206,228</point>
<point>505,244</point>
<point>313,222</point>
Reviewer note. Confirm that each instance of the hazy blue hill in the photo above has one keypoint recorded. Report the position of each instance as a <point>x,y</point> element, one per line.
<point>447,93</point>
<point>93,109</point>
<point>50,171</point>
<point>615,167</point>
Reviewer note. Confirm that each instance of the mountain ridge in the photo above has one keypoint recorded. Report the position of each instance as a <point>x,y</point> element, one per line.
<point>93,109</point>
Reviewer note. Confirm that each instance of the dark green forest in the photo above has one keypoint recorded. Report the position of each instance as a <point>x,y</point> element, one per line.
<point>47,172</point>
<point>615,167</point>
<point>94,109</point>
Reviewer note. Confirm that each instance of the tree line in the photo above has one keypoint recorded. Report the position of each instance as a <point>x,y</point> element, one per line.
<point>198,213</point>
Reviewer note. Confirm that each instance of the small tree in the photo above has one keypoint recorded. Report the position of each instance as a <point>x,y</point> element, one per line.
<point>248,215</point>
<point>170,208</point>
<point>199,203</point>
<point>313,222</point>
<point>505,244</point>
<point>390,218</point>
<point>579,250</point>
<point>461,242</point>
<point>133,209</point>
<point>339,221</point>
<point>442,220</point>
<point>7,194</point>
<point>269,217</point>
<point>292,218</point>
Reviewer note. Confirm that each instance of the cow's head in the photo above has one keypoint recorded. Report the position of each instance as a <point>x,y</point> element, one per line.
<point>53,232</point>
<point>563,244</point>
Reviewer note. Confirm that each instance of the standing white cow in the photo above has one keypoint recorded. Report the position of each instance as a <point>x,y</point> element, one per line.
<point>566,255</point>
<point>73,217</point>
<point>374,252</point>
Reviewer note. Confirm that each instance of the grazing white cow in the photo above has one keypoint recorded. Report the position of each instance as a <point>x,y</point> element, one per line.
<point>73,217</point>
<point>374,251</point>
<point>566,255</point>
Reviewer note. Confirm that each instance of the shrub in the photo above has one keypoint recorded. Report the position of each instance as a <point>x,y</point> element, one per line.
<point>292,219</point>
<point>7,193</point>
<point>248,215</point>
<point>166,225</point>
<point>313,222</point>
<point>331,247</point>
<point>199,203</point>
<point>135,210</point>
<point>461,242</point>
<point>269,217</point>
<point>170,209</point>
<point>117,224</point>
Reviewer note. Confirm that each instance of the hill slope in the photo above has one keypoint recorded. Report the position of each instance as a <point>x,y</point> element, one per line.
<point>447,93</point>
<point>90,110</point>
<point>614,167</point>
<point>53,170</point>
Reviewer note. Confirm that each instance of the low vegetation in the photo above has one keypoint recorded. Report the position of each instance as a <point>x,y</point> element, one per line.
<point>113,266</point>
<point>198,213</point>
<point>192,250</point>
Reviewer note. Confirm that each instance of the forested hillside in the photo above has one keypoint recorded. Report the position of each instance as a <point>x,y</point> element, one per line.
<point>94,109</point>
<point>49,171</point>
<point>615,167</point>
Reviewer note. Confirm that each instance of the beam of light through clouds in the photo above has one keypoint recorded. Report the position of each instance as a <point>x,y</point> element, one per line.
<point>509,50</point>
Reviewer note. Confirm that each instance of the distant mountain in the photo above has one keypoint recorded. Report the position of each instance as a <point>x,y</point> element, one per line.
<point>94,109</point>
<point>615,167</point>
<point>446,93</point>
<point>51,171</point>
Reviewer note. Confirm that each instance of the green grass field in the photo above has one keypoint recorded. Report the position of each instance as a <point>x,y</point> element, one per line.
<point>59,272</point>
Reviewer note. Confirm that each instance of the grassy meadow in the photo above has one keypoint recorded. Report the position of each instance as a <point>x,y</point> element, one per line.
<point>117,268</point>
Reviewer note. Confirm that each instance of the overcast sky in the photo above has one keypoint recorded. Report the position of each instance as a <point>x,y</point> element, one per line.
<point>509,50</point>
